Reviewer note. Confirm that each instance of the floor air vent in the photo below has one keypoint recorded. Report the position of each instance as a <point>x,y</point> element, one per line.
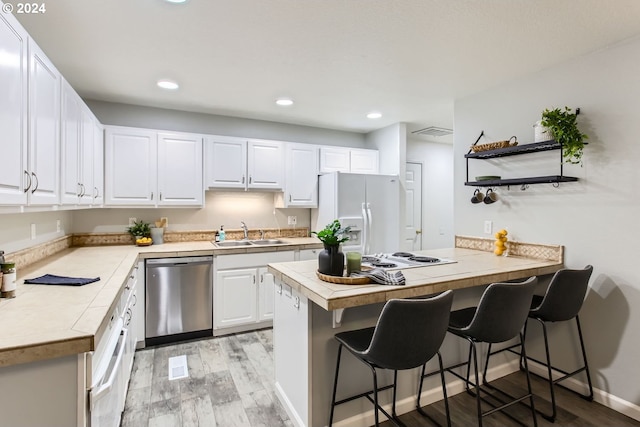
<point>178,367</point>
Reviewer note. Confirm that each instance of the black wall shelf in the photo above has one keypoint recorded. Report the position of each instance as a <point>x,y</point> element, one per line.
<point>536,147</point>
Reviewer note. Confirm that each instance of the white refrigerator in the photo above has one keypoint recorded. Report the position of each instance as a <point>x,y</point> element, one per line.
<point>370,204</point>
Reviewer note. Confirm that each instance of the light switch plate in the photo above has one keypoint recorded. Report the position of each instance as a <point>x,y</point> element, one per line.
<point>58,226</point>
<point>131,222</point>
<point>488,226</point>
<point>292,220</point>
<point>33,231</point>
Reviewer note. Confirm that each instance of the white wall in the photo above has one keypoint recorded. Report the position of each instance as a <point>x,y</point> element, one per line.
<point>437,191</point>
<point>596,218</point>
<point>183,121</point>
<point>391,142</point>
<point>15,229</point>
<point>221,208</point>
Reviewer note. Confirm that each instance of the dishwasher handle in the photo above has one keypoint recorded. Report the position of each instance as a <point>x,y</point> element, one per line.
<point>158,262</point>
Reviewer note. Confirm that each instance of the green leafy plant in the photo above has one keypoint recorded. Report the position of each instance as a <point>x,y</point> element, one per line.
<point>564,128</point>
<point>140,228</point>
<point>333,234</point>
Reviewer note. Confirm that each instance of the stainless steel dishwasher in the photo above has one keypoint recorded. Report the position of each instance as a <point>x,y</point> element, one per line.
<point>179,299</point>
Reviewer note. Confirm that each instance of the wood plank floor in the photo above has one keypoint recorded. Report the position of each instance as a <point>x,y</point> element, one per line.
<point>230,384</point>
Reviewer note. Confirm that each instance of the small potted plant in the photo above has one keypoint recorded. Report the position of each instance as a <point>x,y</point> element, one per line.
<point>331,259</point>
<point>139,230</point>
<point>564,127</point>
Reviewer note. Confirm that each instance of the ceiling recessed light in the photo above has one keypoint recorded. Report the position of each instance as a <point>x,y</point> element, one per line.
<point>374,115</point>
<point>284,102</point>
<point>168,84</point>
<point>176,1</point>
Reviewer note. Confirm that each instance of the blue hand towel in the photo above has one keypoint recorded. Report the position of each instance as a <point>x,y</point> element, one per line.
<point>50,279</point>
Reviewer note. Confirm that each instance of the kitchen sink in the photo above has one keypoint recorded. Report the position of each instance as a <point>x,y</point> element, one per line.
<point>232,243</point>
<point>268,242</point>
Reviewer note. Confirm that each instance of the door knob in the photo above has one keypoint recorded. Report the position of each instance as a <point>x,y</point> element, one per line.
<point>418,231</point>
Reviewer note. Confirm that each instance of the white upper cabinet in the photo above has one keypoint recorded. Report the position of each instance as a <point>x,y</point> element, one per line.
<point>350,160</point>
<point>13,112</point>
<point>301,177</point>
<point>226,162</point>
<point>86,155</point>
<point>44,135</point>
<point>180,169</point>
<point>149,168</point>
<point>130,166</point>
<point>334,159</point>
<point>264,166</point>
<point>70,146</point>
<point>97,192</point>
<point>364,161</point>
<point>238,163</point>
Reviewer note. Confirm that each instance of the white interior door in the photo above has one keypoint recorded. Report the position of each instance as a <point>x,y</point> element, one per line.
<point>413,228</point>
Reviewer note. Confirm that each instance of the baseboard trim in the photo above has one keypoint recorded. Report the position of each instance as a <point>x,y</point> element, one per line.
<point>288,407</point>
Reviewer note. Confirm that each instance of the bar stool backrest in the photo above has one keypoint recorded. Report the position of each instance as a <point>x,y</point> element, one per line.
<point>409,332</point>
<point>564,296</point>
<point>502,311</point>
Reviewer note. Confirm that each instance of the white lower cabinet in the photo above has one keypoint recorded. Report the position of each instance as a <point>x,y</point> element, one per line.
<point>243,291</point>
<point>307,254</point>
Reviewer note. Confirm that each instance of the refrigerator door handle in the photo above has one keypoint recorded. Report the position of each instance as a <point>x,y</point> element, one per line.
<point>370,226</point>
<point>365,232</point>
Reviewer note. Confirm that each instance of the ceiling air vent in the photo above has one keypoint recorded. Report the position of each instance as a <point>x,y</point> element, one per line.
<point>433,131</point>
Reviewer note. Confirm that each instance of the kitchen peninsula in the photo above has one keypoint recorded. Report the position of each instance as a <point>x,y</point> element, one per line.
<point>308,312</point>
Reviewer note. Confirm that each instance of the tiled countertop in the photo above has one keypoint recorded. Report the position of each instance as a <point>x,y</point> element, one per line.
<point>472,268</point>
<point>45,322</point>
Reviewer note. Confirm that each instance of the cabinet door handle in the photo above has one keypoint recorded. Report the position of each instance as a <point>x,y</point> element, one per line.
<point>262,278</point>
<point>82,190</point>
<point>161,195</point>
<point>254,279</point>
<point>296,303</point>
<point>35,177</point>
<point>152,195</point>
<point>96,192</point>
<point>289,197</point>
<point>279,288</point>
<point>249,179</point>
<point>135,300</point>
<point>29,178</point>
<point>243,179</point>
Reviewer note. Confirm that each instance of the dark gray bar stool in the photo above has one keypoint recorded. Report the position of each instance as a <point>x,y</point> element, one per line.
<point>499,317</point>
<point>561,302</point>
<point>408,334</point>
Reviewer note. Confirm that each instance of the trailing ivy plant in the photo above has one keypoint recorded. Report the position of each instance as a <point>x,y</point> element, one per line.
<point>564,128</point>
<point>333,234</point>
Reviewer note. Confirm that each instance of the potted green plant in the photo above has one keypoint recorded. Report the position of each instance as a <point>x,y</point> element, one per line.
<point>563,126</point>
<point>139,229</point>
<point>331,259</point>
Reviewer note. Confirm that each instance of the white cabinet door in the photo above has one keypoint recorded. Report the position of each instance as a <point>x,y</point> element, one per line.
<point>266,285</point>
<point>334,159</point>
<point>226,162</point>
<point>264,165</point>
<point>301,182</point>
<point>180,169</point>
<point>87,146</point>
<point>235,298</point>
<point>364,161</point>
<point>308,254</point>
<point>70,143</point>
<point>130,162</point>
<point>44,135</point>
<point>97,192</point>
<point>14,176</point>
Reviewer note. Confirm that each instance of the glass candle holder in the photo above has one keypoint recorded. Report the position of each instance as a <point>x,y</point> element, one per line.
<point>354,260</point>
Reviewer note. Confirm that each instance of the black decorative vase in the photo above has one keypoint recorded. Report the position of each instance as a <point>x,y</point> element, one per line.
<point>331,261</point>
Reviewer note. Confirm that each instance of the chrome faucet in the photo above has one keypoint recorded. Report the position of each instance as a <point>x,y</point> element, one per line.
<point>261,234</point>
<point>244,229</point>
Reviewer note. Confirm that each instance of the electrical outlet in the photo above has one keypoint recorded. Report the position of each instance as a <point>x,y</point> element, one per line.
<point>131,222</point>
<point>58,226</point>
<point>33,231</point>
<point>292,220</point>
<point>488,225</point>
<point>166,221</point>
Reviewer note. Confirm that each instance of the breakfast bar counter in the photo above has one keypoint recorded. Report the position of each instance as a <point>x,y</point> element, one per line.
<point>309,311</point>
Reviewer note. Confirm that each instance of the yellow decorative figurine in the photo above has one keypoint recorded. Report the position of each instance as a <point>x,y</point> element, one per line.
<point>501,242</point>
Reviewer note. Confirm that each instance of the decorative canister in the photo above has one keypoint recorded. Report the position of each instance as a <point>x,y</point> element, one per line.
<point>8,289</point>
<point>541,133</point>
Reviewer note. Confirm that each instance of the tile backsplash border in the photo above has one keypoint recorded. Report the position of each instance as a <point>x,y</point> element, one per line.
<point>28,256</point>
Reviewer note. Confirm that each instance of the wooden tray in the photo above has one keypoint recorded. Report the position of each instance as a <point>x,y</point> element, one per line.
<point>343,280</point>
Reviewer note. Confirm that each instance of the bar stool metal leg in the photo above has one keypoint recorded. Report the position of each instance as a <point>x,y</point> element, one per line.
<point>444,392</point>
<point>335,386</point>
